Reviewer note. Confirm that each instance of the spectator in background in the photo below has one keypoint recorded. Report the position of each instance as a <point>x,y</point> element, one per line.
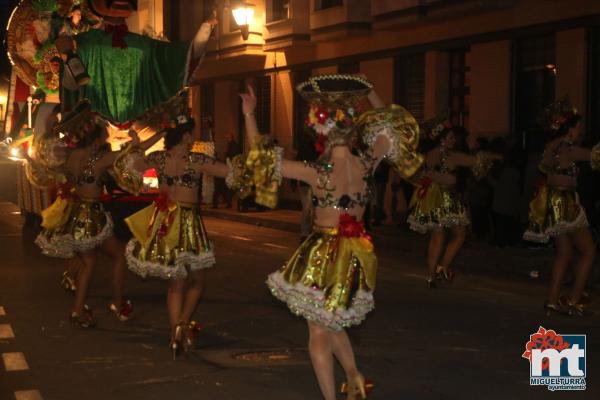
<point>380,180</point>
<point>306,152</point>
<point>505,179</point>
<point>221,189</point>
<point>479,194</point>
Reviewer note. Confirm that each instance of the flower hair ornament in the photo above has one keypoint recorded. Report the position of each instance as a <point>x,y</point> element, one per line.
<point>556,114</point>
<point>334,103</point>
<point>435,126</point>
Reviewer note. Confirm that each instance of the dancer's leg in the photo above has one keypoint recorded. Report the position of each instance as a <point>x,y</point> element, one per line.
<point>320,350</point>
<point>454,245</point>
<point>584,242</point>
<point>116,250</point>
<point>88,259</point>
<point>436,244</point>
<point>193,294</point>
<point>564,252</point>
<point>175,300</point>
<point>342,349</point>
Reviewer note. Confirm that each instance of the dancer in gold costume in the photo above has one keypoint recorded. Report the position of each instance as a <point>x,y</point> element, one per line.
<point>555,211</point>
<point>330,278</point>
<point>169,239</point>
<point>436,205</point>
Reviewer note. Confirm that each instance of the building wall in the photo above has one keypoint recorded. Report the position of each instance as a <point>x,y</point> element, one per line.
<point>490,88</point>
<point>488,33</point>
<point>571,64</point>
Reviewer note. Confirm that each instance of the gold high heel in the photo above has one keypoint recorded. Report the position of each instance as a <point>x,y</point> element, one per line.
<point>190,334</point>
<point>67,282</point>
<point>176,339</point>
<point>357,388</point>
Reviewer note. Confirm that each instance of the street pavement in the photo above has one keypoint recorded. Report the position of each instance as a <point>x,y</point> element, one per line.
<point>460,342</point>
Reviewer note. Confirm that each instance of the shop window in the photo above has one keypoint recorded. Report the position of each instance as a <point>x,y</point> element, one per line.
<point>593,112</point>
<point>207,111</point>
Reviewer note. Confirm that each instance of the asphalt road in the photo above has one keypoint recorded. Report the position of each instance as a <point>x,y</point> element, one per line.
<point>463,342</point>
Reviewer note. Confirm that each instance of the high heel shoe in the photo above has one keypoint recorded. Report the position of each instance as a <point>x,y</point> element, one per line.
<point>190,334</point>
<point>554,309</point>
<point>84,320</point>
<point>67,282</point>
<point>445,272</point>
<point>357,387</point>
<point>123,313</point>
<point>176,339</point>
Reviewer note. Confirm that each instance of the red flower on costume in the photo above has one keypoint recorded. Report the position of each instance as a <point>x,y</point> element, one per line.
<point>544,339</point>
<point>322,115</point>
<point>320,143</point>
<point>349,227</point>
<point>424,186</point>
<point>162,202</point>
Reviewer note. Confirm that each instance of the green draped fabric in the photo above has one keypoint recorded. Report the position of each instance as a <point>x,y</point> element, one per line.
<point>126,82</point>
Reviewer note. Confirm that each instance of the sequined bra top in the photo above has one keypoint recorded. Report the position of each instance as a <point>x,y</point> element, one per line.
<point>554,168</point>
<point>87,176</point>
<point>328,199</point>
<point>189,178</point>
<point>443,167</point>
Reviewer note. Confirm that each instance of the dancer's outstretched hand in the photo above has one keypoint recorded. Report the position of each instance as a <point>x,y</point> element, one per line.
<point>248,101</point>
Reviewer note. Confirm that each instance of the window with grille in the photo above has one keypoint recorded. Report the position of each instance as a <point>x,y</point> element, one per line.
<point>535,84</point>
<point>280,9</point>
<point>301,107</point>
<point>324,4</point>
<point>410,84</point>
<point>459,87</point>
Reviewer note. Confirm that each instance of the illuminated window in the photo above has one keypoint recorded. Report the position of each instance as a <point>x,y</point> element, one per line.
<point>410,84</point>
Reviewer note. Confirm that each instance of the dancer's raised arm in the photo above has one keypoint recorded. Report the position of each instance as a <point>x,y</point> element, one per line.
<point>287,168</point>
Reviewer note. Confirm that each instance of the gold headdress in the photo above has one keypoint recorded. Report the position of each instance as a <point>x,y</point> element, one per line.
<point>334,101</point>
<point>557,113</point>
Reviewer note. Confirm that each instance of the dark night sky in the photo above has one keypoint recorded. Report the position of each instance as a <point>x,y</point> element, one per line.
<point>6,7</point>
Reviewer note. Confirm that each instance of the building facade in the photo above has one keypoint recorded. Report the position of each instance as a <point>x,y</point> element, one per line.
<point>492,65</point>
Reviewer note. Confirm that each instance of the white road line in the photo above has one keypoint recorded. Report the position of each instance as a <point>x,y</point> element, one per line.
<point>242,238</point>
<point>2,311</point>
<point>14,362</point>
<point>28,395</point>
<point>6,332</point>
<point>275,245</point>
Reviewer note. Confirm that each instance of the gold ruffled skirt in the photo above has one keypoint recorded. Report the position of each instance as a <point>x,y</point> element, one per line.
<point>434,206</point>
<point>168,242</point>
<point>73,226</point>
<point>554,211</point>
<point>329,280</point>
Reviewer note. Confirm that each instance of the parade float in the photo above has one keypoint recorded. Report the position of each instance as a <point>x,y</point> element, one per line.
<point>76,58</point>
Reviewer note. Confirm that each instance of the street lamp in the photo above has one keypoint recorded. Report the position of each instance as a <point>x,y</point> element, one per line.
<point>243,15</point>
